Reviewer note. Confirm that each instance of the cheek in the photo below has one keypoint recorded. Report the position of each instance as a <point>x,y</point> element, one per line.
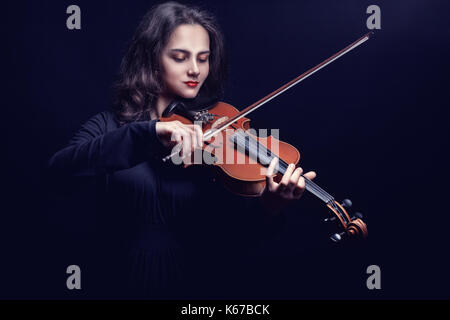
<point>172,76</point>
<point>205,71</point>
<point>170,68</point>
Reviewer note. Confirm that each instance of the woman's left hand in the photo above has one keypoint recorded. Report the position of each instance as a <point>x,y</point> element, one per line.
<point>291,187</point>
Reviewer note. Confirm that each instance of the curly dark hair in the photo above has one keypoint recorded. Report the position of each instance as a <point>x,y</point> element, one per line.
<point>140,82</point>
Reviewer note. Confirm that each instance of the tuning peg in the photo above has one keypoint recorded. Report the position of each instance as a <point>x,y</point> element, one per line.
<point>358,215</point>
<point>347,203</point>
<point>330,219</point>
<point>337,237</point>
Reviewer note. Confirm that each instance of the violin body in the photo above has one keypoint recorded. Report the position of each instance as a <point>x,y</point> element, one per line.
<point>241,173</point>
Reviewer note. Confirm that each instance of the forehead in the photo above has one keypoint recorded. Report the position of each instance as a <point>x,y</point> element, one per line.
<point>189,37</point>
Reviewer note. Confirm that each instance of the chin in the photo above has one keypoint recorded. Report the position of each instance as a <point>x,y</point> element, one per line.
<point>189,95</point>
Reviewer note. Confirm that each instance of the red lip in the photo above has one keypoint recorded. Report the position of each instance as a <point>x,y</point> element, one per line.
<point>192,84</point>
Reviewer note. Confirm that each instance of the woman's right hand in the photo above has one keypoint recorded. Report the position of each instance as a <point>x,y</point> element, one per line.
<point>188,136</point>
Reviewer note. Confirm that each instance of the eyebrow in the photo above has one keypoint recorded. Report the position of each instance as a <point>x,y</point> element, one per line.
<point>188,52</point>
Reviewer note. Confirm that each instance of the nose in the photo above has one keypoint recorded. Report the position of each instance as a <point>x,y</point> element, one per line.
<point>193,71</point>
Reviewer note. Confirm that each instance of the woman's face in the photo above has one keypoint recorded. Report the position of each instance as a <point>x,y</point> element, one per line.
<point>185,61</point>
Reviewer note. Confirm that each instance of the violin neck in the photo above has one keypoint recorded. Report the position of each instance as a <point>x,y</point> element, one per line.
<point>264,156</point>
<point>310,185</point>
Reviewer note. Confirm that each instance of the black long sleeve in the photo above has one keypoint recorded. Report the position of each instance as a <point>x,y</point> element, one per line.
<point>101,146</point>
<point>153,217</point>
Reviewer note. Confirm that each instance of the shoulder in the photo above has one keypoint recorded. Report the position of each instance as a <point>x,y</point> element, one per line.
<point>104,121</point>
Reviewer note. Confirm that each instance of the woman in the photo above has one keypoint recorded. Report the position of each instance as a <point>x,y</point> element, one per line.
<point>165,219</point>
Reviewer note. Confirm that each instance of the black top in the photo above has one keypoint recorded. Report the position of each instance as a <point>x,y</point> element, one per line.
<point>164,230</point>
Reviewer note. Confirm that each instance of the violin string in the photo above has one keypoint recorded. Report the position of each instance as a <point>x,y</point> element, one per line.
<point>266,156</point>
<point>314,185</point>
<point>310,186</point>
<point>313,188</point>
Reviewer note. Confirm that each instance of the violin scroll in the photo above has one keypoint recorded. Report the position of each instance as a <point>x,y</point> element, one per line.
<point>353,227</point>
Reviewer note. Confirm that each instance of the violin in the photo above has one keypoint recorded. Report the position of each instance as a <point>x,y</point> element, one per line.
<point>241,157</point>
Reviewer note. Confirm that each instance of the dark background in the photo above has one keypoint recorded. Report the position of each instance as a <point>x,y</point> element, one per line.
<point>373,125</point>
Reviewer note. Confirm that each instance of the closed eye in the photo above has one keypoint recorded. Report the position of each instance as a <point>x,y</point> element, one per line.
<point>201,60</point>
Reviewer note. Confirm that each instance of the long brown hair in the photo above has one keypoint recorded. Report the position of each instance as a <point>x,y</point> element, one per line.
<point>140,80</point>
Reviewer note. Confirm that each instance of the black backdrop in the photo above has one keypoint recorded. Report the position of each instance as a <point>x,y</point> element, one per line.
<point>373,125</point>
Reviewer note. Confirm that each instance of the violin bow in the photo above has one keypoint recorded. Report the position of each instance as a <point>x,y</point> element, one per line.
<point>212,132</point>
